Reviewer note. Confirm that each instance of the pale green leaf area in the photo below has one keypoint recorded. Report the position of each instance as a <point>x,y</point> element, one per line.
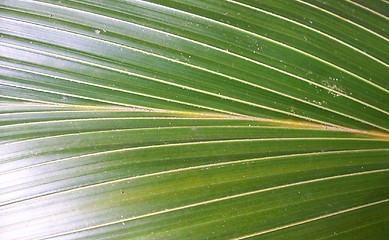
<point>194,119</point>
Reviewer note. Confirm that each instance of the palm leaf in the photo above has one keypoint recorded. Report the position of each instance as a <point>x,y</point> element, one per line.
<point>194,119</point>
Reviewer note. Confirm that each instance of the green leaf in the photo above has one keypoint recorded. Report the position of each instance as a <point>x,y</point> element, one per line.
<point>193,119</point>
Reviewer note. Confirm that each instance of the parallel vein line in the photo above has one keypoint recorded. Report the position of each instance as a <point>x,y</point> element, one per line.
<point>167,145</point>
<point>135,128</point>
<point>27,100</point>
<point>65,93</point>
<point>368,9</point>
<point>28,108</point>
<point>182,86</point>
<point>191,104</point>
<point>309,28</point>
<point>286,46</point>
<point>185,64</point>
<point>343,19</point>
<point>219,200</point>
<point>4,146</point>
<point>102,109</point>
<point>137,106</point>
<point>190,168</point>
<point>226,52</point>
<point>313,219</point>
<point>101,86</point>
<point>190,124</point>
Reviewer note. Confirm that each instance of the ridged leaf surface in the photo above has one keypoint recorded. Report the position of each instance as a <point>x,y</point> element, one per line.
<point>189,119</point>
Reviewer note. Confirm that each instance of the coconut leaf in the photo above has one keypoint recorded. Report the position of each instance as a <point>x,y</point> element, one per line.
<point>193,119</point>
